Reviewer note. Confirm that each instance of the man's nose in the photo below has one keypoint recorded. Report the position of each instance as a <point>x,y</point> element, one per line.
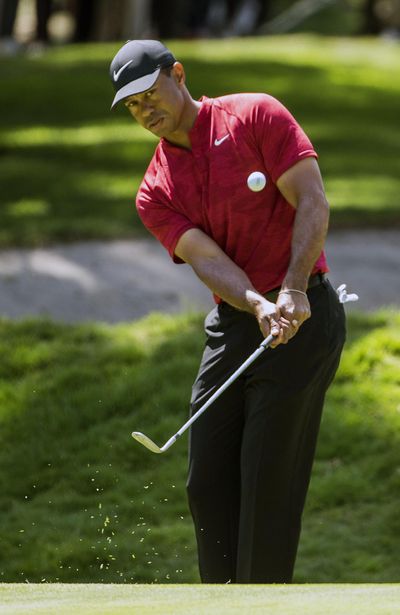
<point>147,108</point>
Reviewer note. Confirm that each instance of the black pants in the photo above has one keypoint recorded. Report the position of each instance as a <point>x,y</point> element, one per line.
<point>251,452</point>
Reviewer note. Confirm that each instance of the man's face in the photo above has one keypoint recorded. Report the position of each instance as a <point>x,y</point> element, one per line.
<point>159,109</point>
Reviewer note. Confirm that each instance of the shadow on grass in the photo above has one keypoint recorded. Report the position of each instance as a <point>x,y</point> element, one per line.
<point>85,190</point>
<point>84,502</point>
<point>59,95</point>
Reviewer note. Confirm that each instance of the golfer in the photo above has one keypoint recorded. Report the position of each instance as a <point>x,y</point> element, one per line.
<point>234,189</point>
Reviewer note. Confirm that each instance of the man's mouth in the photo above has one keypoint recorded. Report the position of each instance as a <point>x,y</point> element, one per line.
<point>155,123</point>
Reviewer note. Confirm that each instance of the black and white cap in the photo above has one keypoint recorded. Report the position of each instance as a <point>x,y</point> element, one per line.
<point>136,67</point>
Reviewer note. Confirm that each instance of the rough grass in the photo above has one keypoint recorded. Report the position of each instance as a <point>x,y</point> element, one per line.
<point>81,501</point>
<point>95,599</point>
<point>70,169</point>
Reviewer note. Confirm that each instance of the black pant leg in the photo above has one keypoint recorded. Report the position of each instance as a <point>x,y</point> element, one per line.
<point>214,487</point>
<point>284,401</point>
<point>213,484</point>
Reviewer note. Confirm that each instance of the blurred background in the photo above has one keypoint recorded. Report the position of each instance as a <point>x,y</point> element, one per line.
<point>30,24</point>
<point>84,361</point>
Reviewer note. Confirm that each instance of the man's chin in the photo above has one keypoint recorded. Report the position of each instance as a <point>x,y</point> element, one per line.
<point>158,128</point>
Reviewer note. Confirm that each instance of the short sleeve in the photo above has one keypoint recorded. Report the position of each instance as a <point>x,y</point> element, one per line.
<point>166,224</point>
<point>280,138</point>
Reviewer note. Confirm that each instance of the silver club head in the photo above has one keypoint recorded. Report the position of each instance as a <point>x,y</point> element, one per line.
<point>152,446</point>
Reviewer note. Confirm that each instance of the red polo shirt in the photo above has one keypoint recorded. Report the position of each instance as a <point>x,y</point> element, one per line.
<point>206,187</point>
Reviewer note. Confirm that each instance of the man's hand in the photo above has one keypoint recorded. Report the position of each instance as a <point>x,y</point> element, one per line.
<point>271,320</point>
<point>294,309</point>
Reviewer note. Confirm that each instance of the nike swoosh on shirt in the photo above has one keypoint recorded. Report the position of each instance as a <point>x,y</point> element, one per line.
<point>118,72</point>
<point>219,141</point>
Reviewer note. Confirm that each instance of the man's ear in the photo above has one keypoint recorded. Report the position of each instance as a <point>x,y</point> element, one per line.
<point>179,73</point>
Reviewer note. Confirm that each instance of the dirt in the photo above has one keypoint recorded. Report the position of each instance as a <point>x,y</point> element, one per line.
<point>125,280</point>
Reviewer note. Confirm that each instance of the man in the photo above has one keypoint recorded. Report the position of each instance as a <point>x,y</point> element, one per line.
<point>260,251</point>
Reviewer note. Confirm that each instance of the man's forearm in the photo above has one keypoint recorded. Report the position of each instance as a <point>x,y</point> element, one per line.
<point>309,232</point>
<point>229,282</point>
<point>225,279</point>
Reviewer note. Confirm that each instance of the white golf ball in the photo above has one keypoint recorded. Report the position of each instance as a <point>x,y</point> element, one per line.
<point>256,181</point>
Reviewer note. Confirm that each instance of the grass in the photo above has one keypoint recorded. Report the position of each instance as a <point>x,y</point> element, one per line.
<point>70,169</point>
<point>93,599</point>
<point>81,501</point>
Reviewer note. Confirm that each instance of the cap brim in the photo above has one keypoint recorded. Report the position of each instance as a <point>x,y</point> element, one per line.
<point>136,87</point>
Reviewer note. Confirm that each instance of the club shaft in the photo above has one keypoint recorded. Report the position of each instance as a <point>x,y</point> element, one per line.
<point>264,344</point>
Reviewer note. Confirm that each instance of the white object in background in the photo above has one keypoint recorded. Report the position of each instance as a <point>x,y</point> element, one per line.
<point>343,296</point>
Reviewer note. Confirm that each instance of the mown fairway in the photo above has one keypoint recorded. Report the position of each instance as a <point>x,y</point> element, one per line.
<point>200,600</point>
<point>70,168</point>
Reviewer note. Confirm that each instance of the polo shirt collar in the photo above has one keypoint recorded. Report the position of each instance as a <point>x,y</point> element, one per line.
<point>198,134</point>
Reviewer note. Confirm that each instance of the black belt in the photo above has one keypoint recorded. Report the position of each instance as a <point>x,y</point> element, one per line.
<point>314,280</point>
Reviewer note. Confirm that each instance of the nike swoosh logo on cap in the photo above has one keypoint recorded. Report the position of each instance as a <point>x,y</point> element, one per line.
<point>219,141</point>
<point>118,72</point>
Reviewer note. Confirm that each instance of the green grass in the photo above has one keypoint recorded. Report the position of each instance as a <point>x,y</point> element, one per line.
<point>93,599</point>
<point>70,168</point>
<point>81,501</point>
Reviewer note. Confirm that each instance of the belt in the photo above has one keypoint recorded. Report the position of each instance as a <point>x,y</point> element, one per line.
<point>314,280</point>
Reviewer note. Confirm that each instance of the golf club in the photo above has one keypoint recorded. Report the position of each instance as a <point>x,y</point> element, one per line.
<point>143,439</point>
